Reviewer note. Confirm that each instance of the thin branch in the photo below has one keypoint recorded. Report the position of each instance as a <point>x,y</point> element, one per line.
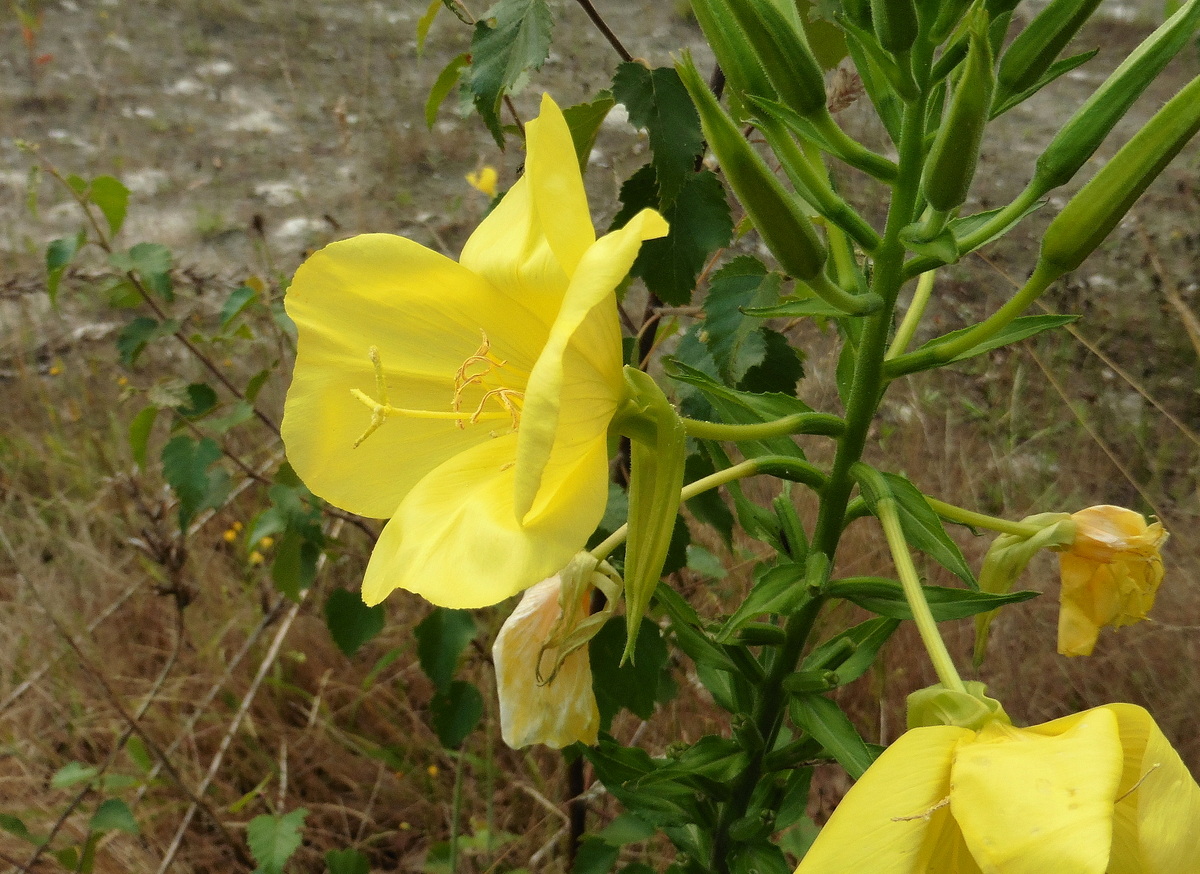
<point>603,27</point>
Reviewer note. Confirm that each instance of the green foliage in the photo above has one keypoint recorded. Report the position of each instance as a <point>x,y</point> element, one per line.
<point>658,104</point>
<point>636,684</point>
<point>273,839</point>
<point>442,636</point>
<point>514,39</point>
<point>456,711</point>
<point>350,861</point>
<point>186,467</point>
<point>352,623</point>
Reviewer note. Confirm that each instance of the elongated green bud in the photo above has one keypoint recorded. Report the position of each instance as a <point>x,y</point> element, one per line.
<point>784,54</point>
<point>783,225</point>
<point>1092,213</point>
<point>1040,43</point>
<point>1092,122</point>
<point>951,163</point>
<point>895,23</point>
<point>733,50</point>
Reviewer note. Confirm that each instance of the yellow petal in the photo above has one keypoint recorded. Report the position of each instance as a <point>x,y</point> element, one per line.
<point>1157,819</point>
<point>560,202</point>
<point>484,180</point>
<point>579,370</point>
<point>556,713</point>
<point>895,819</point>
<point>424,313</point>
<point>1031,801</point>
<point>456,542</point>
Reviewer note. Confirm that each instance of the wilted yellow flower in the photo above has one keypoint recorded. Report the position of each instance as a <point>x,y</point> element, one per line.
<point>545,698</point>
<point>1098,792</point>
<point>503,372</point>
<point>484,179</point>
<point>1110,574</point>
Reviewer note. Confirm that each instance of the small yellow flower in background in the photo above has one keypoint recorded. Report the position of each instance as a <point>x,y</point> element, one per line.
<point>468,402</point>
<point>266,542</point>
<point>484,179</point>
<point>432,770</point>
<point>255,558</point>
<point>1098,792</point>
<point>55,369</point>
<point>230,535</point>
<point>545,698</point>
<point>122,381</point>
<point>1110,575</point>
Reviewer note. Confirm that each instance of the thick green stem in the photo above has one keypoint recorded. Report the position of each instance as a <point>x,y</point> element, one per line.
<point>912,317</point>
<point>980,520</point>
<point>941,353</point>
<point>801,423</point>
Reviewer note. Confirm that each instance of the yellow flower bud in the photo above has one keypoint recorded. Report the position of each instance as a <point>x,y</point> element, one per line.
<point>1110,574</point>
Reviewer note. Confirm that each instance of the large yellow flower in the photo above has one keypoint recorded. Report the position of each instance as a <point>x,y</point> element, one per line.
<point>1110,574</point>
<point>1099,792</point>
<point>468,402</point>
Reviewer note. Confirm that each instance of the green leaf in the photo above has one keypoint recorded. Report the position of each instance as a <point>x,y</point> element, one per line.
<point>779,590</point>
<point>351,623</point>
<point>273,839</point>
<point>886,597</point>
<point>594,856</point>
<point>584,120</point>
<point>633,685</point>
<point>659,104</point>
<point>294,567</point>
<point>15,825</point>
<point>423,24</point>
<point>202,399</point>
<point>455,712</point>
<point>830,727</point>
<point>743,408</point>
<point>441,638</point>
<point>240,298</point>
<point>240,412</point>
<point>113,814</point>
<point>923,529</point>
<point>58,257</point>
<point>444,84</point>
<point>139,433</point>
<point>795,308</point>
<point>1018,329</point>
<point>185,467</point>
<point>73,773</point>
<point>513,39</point>
<point>350,861</point>
<point>626,829</point>
<point>112,198</point>
<point>851,652</point>
<point>780,369</point>
<point>735,342</point>
<point>135,748</point>
<point>700,225</point>
<point>139,333</point>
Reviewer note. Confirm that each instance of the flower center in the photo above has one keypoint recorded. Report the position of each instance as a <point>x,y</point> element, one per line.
<point>482,370</point>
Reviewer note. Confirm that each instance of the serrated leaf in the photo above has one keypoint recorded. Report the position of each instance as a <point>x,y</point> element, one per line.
<point>455,711</point>
<point>350,861</point>
<point>352,623</point>
<point>151,261</point>
<point>514,38</point>
<point>273,839</point>
<point>779,370</point>
<point>886,597</point>
<point>633,685</point>
<point>139,433</point>
<point>185,468</point>
<point>113,814</point>
<point>733,340</point>
<point>923,529</point>
<point>112,198</point>
<point>700,225</point>
<point>584,120</point>
<point>444,84</point>
<point>830,727</point>
<point>202,399</point>
<point>659,104</point>
<point>441,638</point>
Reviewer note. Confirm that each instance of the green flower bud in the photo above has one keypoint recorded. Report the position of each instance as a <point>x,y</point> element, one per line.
<point>1091,214</point>
<point>951,163</point>
<point>784,54</point>
<point>937,705</point>
<point>895,24</point>
<point>730,44</point>
<point>1040,43</point>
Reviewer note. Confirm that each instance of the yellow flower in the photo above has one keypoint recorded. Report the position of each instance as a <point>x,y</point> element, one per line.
<point>1098,792</point>
<point>543,701</point>
<point>504,371</point>
<point>484,180</point>
<point>1110,574</point>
